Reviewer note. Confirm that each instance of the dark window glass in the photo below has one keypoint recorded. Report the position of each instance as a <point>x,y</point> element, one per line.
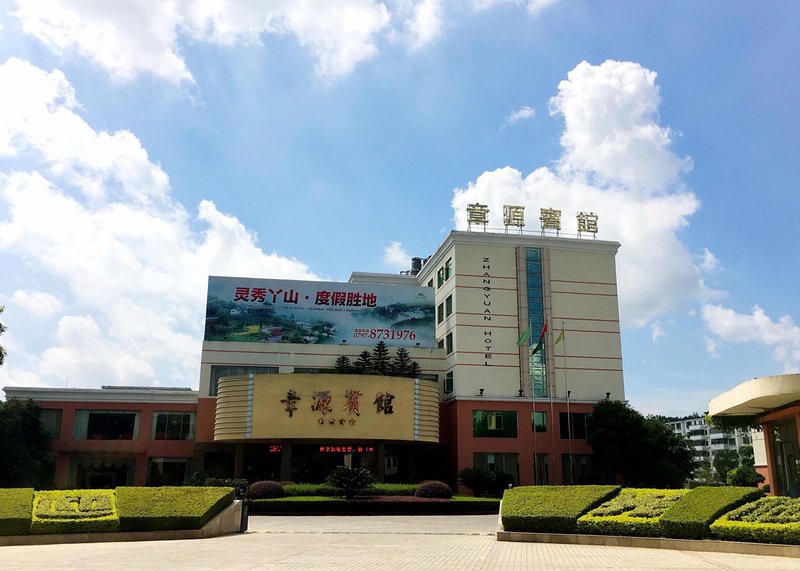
<point>440,313</point>
<point>110,425</point>
<point>578,428</point>
<point>494,423</point>
<point>51,421</point>
<point>539,421</point>
<point>173,426</point>
<point>448,382</point>
<point>449,343</point>
<point>498,462</point>
<point>448,306</point>
<point>168,471</point>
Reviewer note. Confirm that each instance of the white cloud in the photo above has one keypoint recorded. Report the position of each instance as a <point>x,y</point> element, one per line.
<point>712,347</point>
<point>521,114</point>
<point>137,37</point>
<point>425,23</point>
<point>38,303</point>
<point>534,7</point>
<point>124,38</point>
<point>709,262</point>
<point>656,331</point>
<point>126,258</point>
<point>609,167</point>
<point>396,257</point>
<point>781,336</point>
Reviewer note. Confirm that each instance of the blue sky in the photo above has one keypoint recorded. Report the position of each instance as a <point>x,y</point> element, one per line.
<point>142,149</point>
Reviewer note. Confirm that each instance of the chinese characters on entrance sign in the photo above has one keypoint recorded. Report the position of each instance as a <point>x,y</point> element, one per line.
<point>323,404</point>
<point>550,218</point>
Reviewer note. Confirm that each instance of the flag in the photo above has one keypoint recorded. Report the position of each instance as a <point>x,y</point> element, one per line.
<point>560,337</point>
<point>540,343</point>
<point>524,338</point>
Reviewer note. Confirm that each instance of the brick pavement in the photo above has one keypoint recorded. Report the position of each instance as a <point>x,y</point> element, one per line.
<point>369,542</point>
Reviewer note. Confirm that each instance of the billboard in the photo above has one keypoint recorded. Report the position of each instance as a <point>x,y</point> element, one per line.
<point>292,311</point>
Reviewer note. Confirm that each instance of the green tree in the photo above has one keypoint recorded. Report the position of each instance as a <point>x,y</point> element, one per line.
<point>363,365</point>
<point>26,458</point>
<point>343,365</point>
<point>414,370</point>
<point>2,330</point>
<point>744,476</point>
<point>724,461</point>
<point>640,451</point>
<point>380,359</point>
<point>747,456</point>
<point>401,363</point>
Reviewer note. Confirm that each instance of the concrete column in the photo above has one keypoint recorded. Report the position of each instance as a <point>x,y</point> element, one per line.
<point>238,462</point>
<point>380,454</point>
<point>286,461</point>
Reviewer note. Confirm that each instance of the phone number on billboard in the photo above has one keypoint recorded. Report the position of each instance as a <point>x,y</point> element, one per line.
<point>384,334</point>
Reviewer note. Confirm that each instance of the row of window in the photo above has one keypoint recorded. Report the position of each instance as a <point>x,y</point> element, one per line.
<point>120,425</point>
<point>503,424</point>
<point>444,273</point>
<point>576,468</point>
<point>447,343</point>
<point>103,473</point>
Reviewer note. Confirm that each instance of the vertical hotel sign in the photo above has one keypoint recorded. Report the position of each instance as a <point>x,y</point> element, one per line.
<point>293,311</point>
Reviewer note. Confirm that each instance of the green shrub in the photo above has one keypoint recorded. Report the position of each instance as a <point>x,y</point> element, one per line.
<point>350,480</point>
<point>477,479</point>
<point>265,489</point>
<point>635,511</point>
<point>378,489</point>
<point>74,511</point>
<point>178,507</point>
<point>16,506</point>
<point>434,489</point>
<point>292,490</point>
<point>553,509</point>
<point>768,520</point>
<point>690,516</point>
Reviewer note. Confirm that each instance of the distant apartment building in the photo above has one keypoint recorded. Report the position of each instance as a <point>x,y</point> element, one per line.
<point>706,440</point>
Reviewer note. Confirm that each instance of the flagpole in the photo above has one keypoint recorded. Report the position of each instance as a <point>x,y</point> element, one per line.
<point>569,416</point>
<point>533,400</point>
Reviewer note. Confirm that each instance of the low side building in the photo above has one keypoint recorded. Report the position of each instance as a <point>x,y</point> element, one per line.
<point>772,402</point>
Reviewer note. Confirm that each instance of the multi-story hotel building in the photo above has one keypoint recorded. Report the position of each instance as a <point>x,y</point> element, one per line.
<point>515,338</point>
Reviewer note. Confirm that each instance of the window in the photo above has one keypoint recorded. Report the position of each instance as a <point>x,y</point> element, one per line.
<point>448,306</point>
<point>440,277</point>
<point>440,313</point>
<point>449,343</point>
<point>100,472</point>
<point>494,421</point>
<point>430,283</point>
<point>314,370</point>
<point>440,343</point>
<point>541,468</point>
<point>498,462</point>
<point>173,426</point>
<point>51,421</point>
<point>576,469</point>
<point>539,421</point>
<point>218,371</point>
<point>448,383</point>
<point>106,425</point>
<point>448,269</point>
<point>494,424</point>
<point>168,471</point>
<point>578,427</point>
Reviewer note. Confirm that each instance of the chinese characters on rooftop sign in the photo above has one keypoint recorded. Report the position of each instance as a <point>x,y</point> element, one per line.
<point>550,218</point>
<point>291,311</point>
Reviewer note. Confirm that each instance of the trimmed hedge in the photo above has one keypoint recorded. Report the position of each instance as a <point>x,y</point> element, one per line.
<point>16,506</point>
<point>691,516</point>
<point>74,511</point>
<point>377,489</point>
<point>553,509</point>
<point>768,520</point>
<point>635,511</point>
<point>329,505</point>
<point>170,507</point>
<point>265,489</point>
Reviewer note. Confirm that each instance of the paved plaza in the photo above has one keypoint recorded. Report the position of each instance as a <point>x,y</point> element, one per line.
<point>369,542</point>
